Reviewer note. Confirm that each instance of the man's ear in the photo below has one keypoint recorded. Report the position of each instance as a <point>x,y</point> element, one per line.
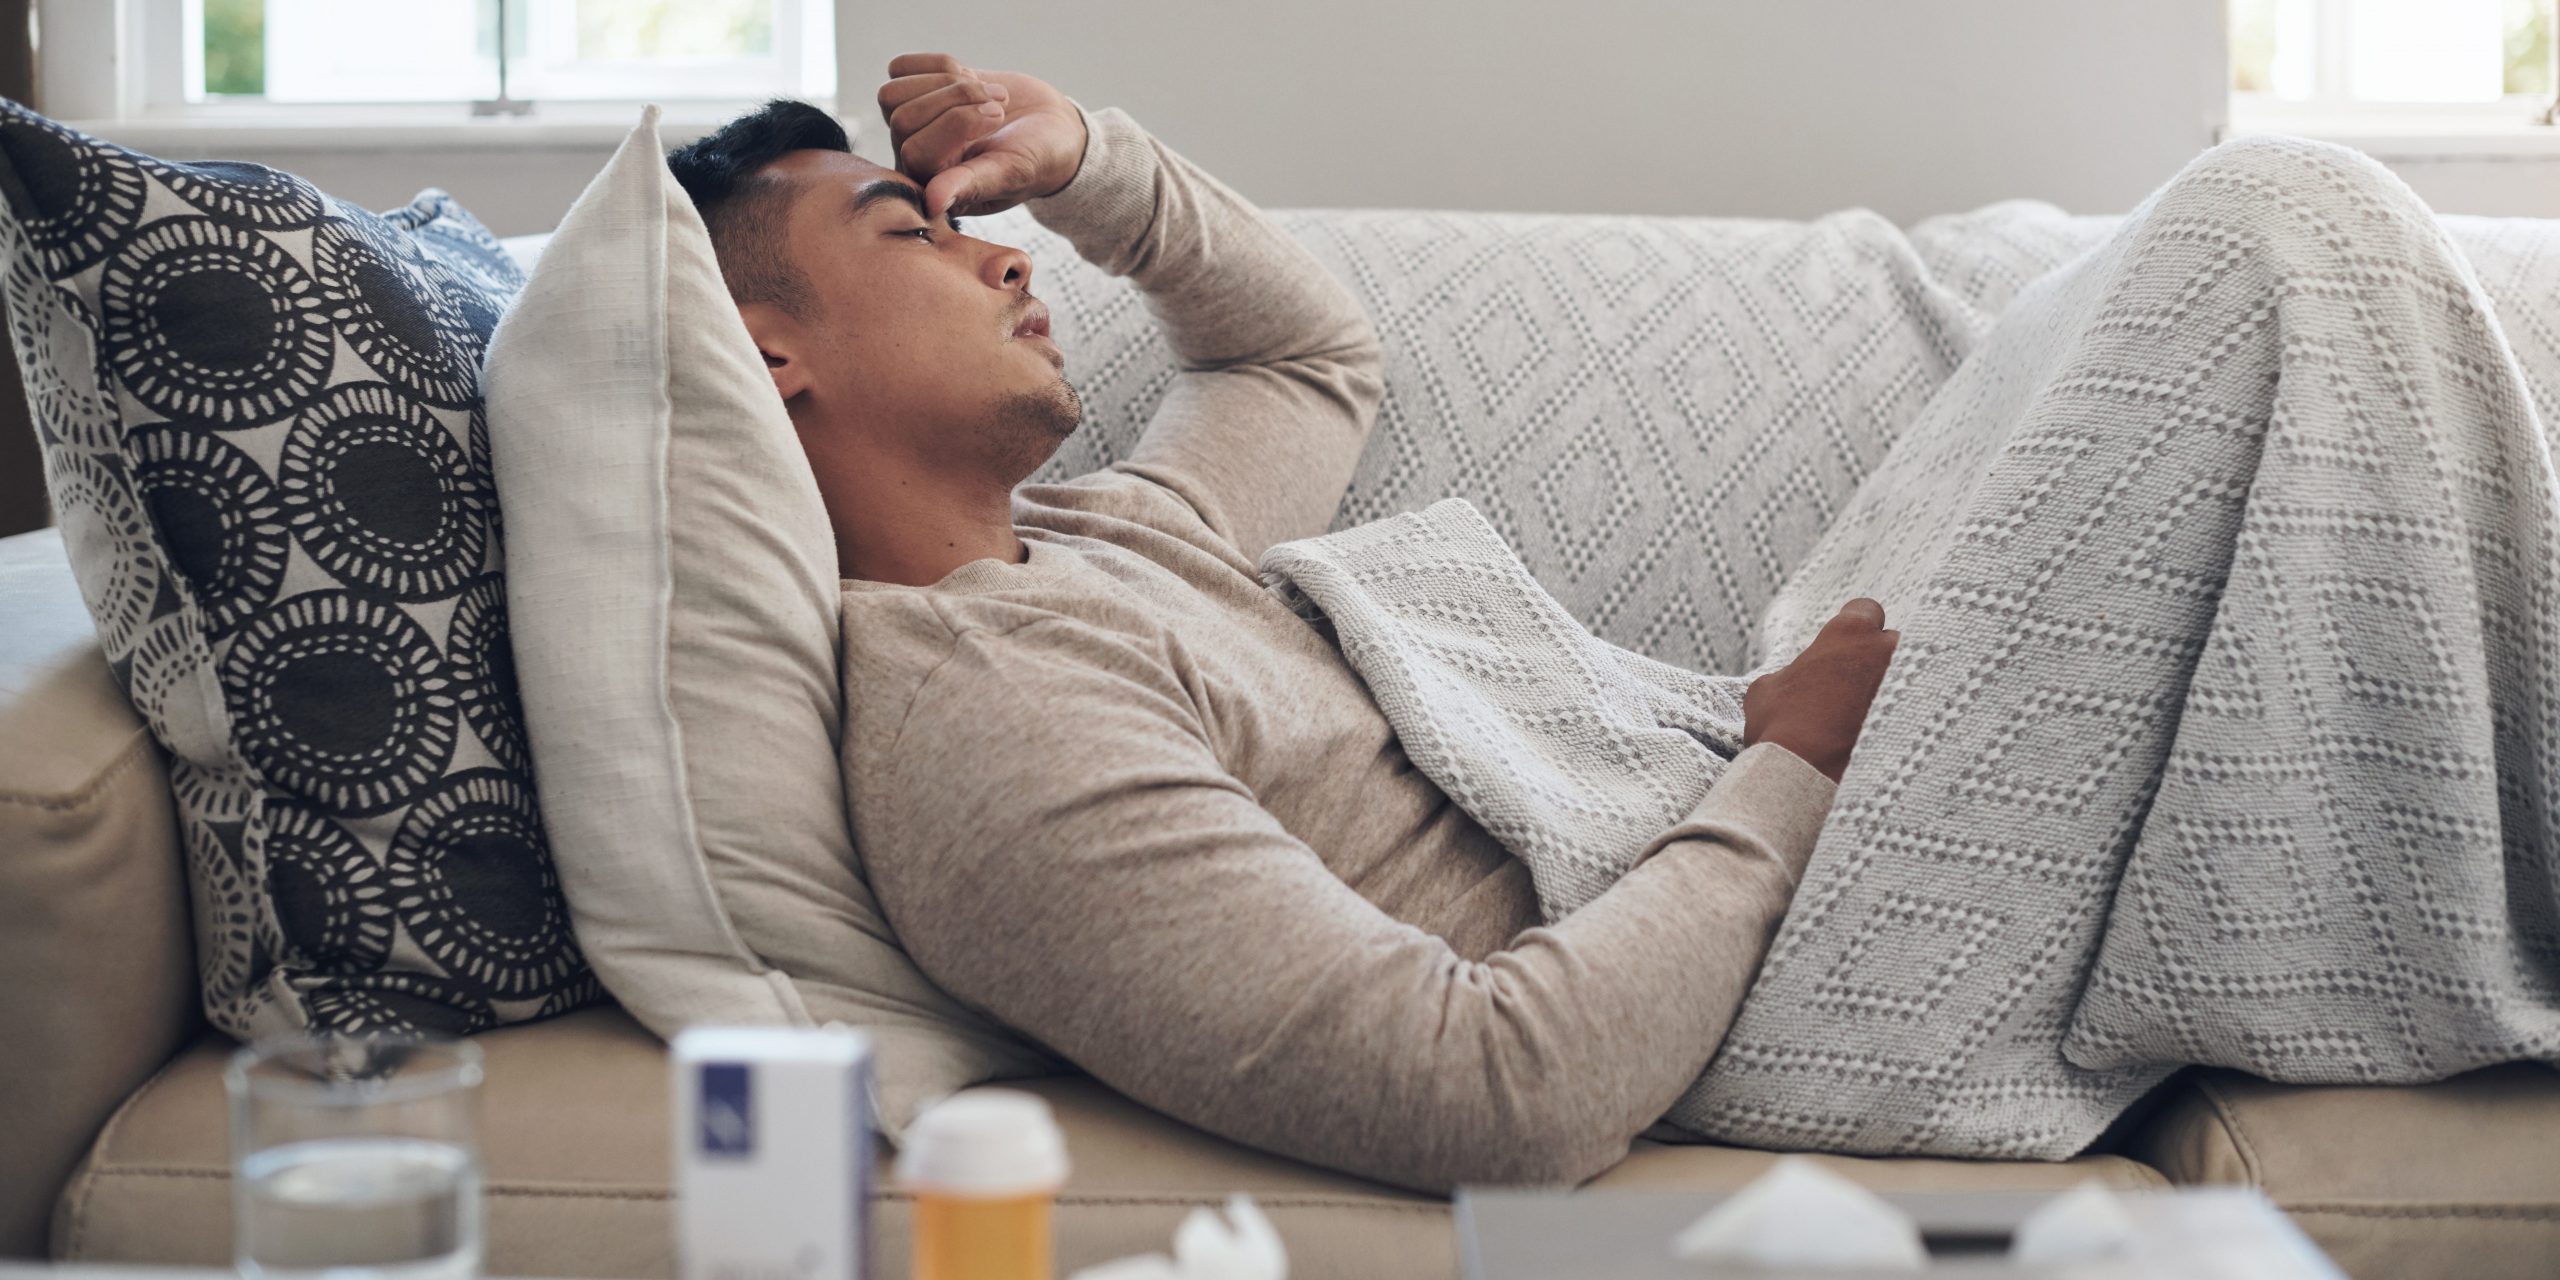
<point>783,344</point>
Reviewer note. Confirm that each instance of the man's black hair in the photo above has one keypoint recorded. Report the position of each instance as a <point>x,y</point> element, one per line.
<point>743,206</point>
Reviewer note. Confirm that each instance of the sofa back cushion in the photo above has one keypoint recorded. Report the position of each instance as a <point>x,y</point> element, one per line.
<point>1659,414</point>
<point>1986,256</point>
<point>259,411</point>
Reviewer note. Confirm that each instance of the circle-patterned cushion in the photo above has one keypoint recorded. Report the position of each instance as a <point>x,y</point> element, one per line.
<point>260,414</point>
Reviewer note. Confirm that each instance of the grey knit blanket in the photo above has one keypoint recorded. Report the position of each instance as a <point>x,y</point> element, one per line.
<point>2223,726</point>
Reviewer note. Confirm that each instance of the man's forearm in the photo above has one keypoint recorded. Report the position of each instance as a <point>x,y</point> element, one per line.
<point>1599,1022</point>
<point>1229,286</point>
<point>1282,375</point>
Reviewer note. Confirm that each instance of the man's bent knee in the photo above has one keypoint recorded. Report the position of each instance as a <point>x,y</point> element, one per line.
<point>2300,201</point>
<point>2275,164</point>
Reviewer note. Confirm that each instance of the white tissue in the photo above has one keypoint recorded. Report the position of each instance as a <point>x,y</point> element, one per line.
<point>1799,1214</point>
<point>2085,1222</point>
<point>1206,1247</point>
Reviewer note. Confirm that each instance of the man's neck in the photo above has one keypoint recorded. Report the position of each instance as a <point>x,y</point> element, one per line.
<point>909,530</point>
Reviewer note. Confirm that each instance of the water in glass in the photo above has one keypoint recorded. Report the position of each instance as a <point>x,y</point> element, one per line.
<point>369,1208</point>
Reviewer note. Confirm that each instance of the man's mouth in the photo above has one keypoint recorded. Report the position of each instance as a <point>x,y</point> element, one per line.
<point>1034,322</point>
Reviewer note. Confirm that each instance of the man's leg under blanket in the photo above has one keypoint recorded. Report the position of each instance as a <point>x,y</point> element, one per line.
<point>2223,725</point>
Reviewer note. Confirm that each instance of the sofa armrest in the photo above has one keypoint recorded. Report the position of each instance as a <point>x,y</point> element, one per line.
<point>94,932</point>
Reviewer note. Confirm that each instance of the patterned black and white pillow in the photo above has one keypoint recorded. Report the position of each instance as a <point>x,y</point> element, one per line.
<point>259,409</point>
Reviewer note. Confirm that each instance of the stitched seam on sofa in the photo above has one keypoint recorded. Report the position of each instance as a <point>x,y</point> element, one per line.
<point>2498,1212</point>
<point>1098,1200</point>
<point>1265,1199</point>
<point>84,1181</point>
<point>81,796</point>
<point>511,1189</point>
<point>2230,1117</point>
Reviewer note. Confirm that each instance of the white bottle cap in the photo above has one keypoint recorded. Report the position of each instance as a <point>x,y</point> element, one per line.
<point>984,1143</point>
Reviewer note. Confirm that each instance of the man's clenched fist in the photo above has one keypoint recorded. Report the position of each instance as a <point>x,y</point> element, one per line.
<point>979,141</point>
<point>1815,705</point>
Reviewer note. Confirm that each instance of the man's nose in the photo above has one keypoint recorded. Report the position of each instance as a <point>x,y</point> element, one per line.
<point>1006,268</point>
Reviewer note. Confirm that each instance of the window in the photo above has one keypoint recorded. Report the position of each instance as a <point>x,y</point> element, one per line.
<point>2369,58</point>
<point>317,51</point>
<point>236,58</point>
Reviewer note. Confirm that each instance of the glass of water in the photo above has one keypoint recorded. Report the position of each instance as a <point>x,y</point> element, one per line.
<point>355,1158</point>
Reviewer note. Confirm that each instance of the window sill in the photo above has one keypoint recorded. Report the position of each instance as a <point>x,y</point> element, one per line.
<point>552,127</point>
<point>2411,137</point>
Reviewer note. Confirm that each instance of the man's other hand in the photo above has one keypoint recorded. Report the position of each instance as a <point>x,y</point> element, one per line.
<point>1815,705</point>
<point>979,141</point>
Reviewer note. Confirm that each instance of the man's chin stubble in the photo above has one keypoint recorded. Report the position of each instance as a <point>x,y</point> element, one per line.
<point>1070,408</point>
<point>1032,425</point>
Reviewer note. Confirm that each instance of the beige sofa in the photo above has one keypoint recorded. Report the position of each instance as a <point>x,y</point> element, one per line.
<point>112,1123</point>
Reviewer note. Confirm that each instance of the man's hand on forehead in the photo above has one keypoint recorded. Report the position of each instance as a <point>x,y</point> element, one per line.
<point>979,141</point>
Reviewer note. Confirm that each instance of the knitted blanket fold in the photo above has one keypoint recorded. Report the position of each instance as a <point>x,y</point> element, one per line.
<point>1571,751</point>
<point>2223,726</point>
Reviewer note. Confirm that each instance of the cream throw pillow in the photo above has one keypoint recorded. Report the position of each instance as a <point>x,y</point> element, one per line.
<point>672,580</point>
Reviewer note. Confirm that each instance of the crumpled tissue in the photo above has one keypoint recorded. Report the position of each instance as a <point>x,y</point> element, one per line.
<point>1241,1246</point>
<point>1800,1214</point>
<point>2084,1222</point>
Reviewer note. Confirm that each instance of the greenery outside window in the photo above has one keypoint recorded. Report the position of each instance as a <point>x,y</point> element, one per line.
<point>519,53</point>
<point>2352,60</point>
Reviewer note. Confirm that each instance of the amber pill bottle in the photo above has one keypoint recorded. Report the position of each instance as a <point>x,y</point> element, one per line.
<point>984,1167</point>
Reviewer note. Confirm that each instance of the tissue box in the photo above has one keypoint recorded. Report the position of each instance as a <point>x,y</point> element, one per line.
<point>2193,1234</point>
<point>773,1153</point>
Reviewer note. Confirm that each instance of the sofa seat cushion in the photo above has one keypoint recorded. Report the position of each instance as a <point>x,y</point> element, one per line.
<point>2457,1178</point>
<point>574,1132</point>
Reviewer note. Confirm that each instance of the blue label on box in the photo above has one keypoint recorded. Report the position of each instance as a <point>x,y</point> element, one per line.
<point>727,1116</point>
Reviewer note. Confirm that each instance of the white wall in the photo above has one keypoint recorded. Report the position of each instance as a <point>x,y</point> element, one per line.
<point>1741,107</point>
<point>2517,186</point>
<point>1758,107</point>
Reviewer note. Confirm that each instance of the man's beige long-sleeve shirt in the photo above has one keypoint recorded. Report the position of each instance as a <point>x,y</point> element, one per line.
<point>1127,803</point>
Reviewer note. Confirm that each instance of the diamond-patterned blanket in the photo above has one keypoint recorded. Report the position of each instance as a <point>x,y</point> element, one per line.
<point>2223,725</point>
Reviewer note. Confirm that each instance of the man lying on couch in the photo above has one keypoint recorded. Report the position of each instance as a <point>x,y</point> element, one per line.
<point>1115,792</point>
<point>1108,787</point>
